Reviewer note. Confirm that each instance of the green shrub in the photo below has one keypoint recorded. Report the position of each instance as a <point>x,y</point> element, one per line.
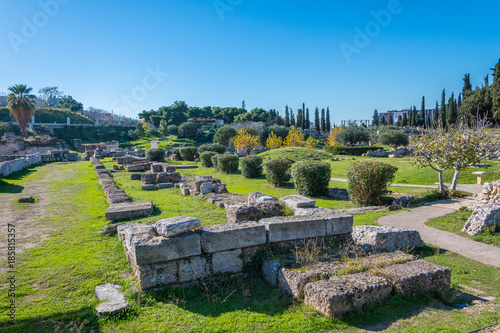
<point>342,150</point>
<point>214,160</point>
<point>214,147</point>
<point>155,155</point>
<point>393,138</point>
<point>188,130</point>
<point>251,166</point>
<point>277,171</point>
<point>224,135</point>
<point>173,130</point>
<point>227,163</point>
<point>206,158</point>
<point>188,153</point>
<point>311,178</point>
<point>367,182</point>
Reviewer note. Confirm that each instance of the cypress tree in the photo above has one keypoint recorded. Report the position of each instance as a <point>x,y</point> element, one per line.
<point>404,122</point>
<point>287,117</point>
<point>390,121</point>
<point>317,124</point>
<point>323,121</point>
<point>452,110</point>
<point>270,117</point>
<point>292,118</point>
<point>443,109</point>
<point>277,120</point>
<point>308,122</point>
<point>300,118</point>
<point>415,115</point>
<point>422,112</point>
<point>435,116</point>
<point>328,123</point>
<point>495,92</point>
<point>375,121</point>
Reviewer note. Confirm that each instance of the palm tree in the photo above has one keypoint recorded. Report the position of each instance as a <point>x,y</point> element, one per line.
<point>21,105</point>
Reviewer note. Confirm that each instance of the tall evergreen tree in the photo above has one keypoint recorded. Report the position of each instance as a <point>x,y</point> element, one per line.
<point>317,124</point>
<point>404,122</point>
<point>300,119</point>
<point>390,120</point>
<point>328,123</point>
<point>278,119</point>
<point>308,121</point>
<point>442,114</point>
<point>452,110</point>
<point>416,116</point>
<point>292,118</point>
<point>422,113</point>
<point>467,85</point>
<point>287,117</point>
<point>323,121</point>
<point>495,92</point>
<point>375,121</point>
<point>270,117</point>
<point>435,116</point>
<point>468,110</point>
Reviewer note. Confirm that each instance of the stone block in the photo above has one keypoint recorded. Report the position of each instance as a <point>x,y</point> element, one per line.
<point>129,210</point>
<point>280,229</point>
<point>256,198</point>
<point>225,237</point>
<point>206,188</point>
<point>237,213</point>
<point>339,225</point>
<point>386,238</point>
<point>270,271</point>
<point>185,191</point>
<point>150,250</point>
<point>176,225</point>
<point>162,186</point>
<point>297,201</point>
<point>342,294</point>
<point>417,276</point>
<point>156,275</point>
<point>135,176</point>
<point>149,187</point>
<point>156,168</point>
<point>220,189</point>
<point>227,262</point>
<point>193,268</point>
<point>484,217</point>
<point>148,178</point>
<point>203,178</point>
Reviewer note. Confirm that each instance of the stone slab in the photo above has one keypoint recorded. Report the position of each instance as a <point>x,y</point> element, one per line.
<point>386,238</point>
<point>150,250</point>
<point>162,186</point>
<point>336,223</point>
<point>226,237</point>
<point>111,307</point>
<point>297,201</point>
<point>342,294</point>
<point>129,210</point>
<point>280,229</point>
<point>417,276</point>
<point>227,262</point>
<point>176,225</point>
<point>192,269</point>
<point>155,275</point>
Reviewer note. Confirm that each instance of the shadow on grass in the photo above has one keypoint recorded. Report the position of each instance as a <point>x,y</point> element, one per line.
<point>82,320</point>
<point>10,188</point>
<point>21,174</point>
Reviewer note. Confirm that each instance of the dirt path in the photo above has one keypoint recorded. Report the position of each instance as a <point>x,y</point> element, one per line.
<point>415,219</point>
<point>29,231</point>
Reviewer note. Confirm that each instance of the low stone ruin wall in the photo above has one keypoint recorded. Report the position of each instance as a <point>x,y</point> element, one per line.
<point>159,257</point>
<point>12,164</point>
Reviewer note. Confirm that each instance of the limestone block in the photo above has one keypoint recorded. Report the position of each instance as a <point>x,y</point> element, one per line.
<point>206,188</point>
<point>148,178</point>
<point>129,210</point>
<point>339,225</point>
<point>219,238</point>
<point>342,294</point>
<point>285,228</point>
<point>255,198</point>
<point>483,217</point>
<point>156,168</point>
<point>135,176</point>
<point>386,238</point>
<point>162,186</point>
<point>176,225</point>
<point>237,213</point>
<point>155,275</point>
<point>227,262</point>
<point>193,268</point>
<point>270,271</point>
<point>149,187</point>
<point>297,201</point>
<point>417,276</point>
<point>151,250</point>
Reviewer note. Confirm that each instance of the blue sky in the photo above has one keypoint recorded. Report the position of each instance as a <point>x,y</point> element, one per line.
<point>134,55</point>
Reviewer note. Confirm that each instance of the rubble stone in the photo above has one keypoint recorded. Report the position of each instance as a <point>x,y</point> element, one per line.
<point>484,217</point>
<point>227,262</point>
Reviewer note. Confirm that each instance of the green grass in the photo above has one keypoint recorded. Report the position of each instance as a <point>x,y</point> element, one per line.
<point>171,142</point>
<point>455,222</point>
<point>55,280</point>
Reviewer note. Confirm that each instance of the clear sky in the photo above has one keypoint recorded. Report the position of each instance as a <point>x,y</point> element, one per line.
<point>134,55</point>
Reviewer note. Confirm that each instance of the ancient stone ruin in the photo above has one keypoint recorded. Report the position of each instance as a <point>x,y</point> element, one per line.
<point>486,208</point>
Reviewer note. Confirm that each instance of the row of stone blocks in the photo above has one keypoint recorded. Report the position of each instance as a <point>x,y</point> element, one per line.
<point>336,288</point>
<point>155,257</point>
<point>14,165</point>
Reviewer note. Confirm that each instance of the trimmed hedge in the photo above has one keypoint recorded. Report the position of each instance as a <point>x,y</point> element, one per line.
<point>227,163</point>
<point>312,178</point>
<point>343,150</point>
<point>188,153</point>
<point>214,159</point>
<point>277,171</point>
<point>214,147</point>
<point>367,182</point>
<point>155,155</point>
<point>251,166</point>
<point>206,158</point>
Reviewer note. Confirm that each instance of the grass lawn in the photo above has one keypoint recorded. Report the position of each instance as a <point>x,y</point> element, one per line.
<point>55,280</point>
<point>456,221</point>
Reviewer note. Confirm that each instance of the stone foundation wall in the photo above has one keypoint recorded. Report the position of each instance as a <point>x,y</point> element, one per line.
<point>158,260</point>
<point>14,165</point>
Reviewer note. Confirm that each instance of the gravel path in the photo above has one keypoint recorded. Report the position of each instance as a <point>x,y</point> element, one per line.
<point>415,219</point>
